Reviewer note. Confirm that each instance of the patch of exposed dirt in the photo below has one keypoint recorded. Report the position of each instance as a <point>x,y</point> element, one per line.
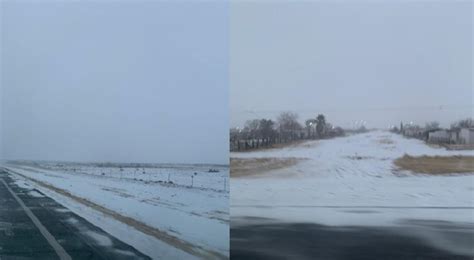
<point>308,144</point>
<point>120,192</point>
<point>436,165</point>
<point>358,157</point>
<point>240,167</point>
<point>385,141</point>
<point>218,215</point>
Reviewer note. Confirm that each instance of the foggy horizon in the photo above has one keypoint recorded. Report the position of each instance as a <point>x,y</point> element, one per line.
<point>380,62</point>
<point>114,82</point>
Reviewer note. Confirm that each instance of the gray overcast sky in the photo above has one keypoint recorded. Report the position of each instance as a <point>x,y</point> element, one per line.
<point>381,62</point>
<point>133,81</point>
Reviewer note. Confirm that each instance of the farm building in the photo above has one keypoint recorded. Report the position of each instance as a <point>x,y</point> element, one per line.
<point>439,136</point>
<point>466,136</point>
<point>415,132</point>
<point>454,135</point>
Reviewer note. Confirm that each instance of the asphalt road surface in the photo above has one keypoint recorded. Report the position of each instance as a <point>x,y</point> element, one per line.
<point>419,240</point>
<point>33,226</point>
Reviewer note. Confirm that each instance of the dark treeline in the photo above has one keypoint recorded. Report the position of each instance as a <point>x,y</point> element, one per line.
<point>265,133</point>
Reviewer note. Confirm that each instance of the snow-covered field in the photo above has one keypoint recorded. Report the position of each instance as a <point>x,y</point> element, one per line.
<point>197,176</point>
<point>353,181</point>
<point>185,201</point>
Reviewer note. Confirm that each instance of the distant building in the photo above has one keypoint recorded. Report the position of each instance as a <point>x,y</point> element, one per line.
<point>439,136</point>
<point>454,136</point>
<point>413,131</point>
<point>466,136</point>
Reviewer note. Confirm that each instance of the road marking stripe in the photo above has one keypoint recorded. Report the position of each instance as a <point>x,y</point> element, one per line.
<point>63,255</point>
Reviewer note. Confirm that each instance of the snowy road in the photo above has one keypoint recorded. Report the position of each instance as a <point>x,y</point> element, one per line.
<point>352,182</point>
<point>161,220</point>
<point>33,226</point>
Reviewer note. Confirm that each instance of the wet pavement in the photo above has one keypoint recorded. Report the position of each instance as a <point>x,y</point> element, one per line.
<point>33,226</point>
<point>413,239</point>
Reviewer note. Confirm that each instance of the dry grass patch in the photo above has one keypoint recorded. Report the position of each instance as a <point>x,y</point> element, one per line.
<point>240,167</point>
<point>436,164</point>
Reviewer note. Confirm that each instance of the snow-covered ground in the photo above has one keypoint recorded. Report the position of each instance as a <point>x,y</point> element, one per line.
<point>352,181</point>
<point>184,201</point>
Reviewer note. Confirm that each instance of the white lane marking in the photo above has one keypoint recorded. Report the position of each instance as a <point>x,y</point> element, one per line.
<point>63,255</point>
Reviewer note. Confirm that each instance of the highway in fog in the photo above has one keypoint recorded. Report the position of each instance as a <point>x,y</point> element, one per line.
<point>33,226</point>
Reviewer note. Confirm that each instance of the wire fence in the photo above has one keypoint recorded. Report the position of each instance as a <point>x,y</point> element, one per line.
<point>212,179</point>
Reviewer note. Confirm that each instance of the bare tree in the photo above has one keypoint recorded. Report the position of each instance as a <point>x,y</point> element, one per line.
<point>432,125</point>
<point>251,128</point>
<point>267,131</point>
<point>320,125</point>
<point>465,123</point>
<point>310,124</point>
<point>288,125</point>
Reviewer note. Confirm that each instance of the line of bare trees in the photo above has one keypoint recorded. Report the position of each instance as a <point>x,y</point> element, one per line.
<point>264,133</point>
